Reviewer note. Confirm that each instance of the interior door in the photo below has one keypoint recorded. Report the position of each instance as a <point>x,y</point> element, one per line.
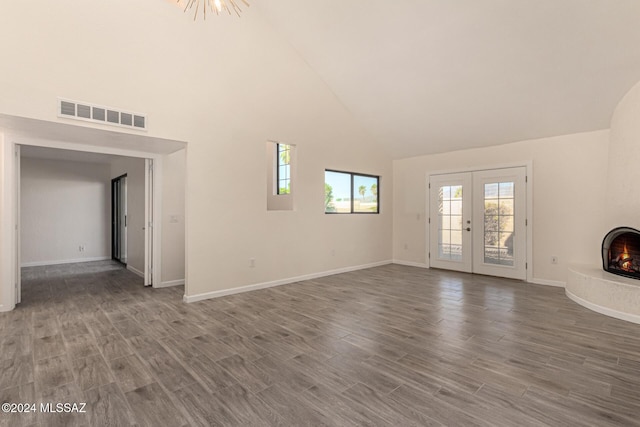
<point>450,221</point>
<point>478,222</point>
<point>499,236</point>
<point>119,219</point>
<point>123,219</point>
<point>115,219</point>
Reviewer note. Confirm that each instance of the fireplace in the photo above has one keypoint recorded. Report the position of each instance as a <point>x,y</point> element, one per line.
<point>621,252</point>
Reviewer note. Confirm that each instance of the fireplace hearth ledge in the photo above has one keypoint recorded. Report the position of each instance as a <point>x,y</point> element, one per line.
<point>603,292</point>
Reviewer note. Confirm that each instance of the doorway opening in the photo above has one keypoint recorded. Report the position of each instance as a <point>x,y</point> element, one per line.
<point>74,215</point>
<point>478,222</point>
<point>17,132</point>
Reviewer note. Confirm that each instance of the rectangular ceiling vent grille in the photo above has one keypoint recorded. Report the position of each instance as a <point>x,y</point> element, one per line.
<point>100,114</point>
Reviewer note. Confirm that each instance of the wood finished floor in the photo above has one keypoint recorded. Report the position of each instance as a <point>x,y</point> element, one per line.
<point>387,346</point>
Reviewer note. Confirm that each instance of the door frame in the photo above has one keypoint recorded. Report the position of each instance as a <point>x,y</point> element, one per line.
<point>10,210</point>
<point>528,165</point>
<point>18,241</point>
<point>116,236</point>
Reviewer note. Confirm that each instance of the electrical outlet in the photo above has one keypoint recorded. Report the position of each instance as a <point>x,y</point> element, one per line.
<point>554,259</point>
<point>333,252</point>
<point>81,248</point>
<point>406,246</point>
<point>252,262</point>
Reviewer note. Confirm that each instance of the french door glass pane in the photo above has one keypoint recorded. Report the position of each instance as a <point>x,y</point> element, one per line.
<point>498,223</point>
<point>456,222</point>
<point>491,191</point>
<point>450,222</point>
<point>505,223</point>
<point>506,190</point>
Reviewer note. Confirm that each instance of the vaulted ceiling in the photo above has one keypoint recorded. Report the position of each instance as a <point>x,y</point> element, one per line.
<point>427,76</point>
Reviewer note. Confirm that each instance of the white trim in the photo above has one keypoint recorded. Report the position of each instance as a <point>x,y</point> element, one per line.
<point>158,188</point>
<point>508,165</point>
<point>64,261</point>
<point>170,283</point>
<point>634,318</point>
<point>2,309</point>
<point>101,149</point>
<point>426,219</point>
<point>264,285</point>
<point>8,213</point>
<point>186,222</point>
<point>410,263</point>
<point>135,271</point>
<point>529,187</point>
<point>547,282</point>
<point>18,238</point>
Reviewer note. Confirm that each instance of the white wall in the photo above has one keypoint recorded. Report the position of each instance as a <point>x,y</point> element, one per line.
<point>569,185</point>
<point>623,197</point>
<point>226,86</point>
<point>134,169</point>
<point>64,205</point>
<point>173,214</point>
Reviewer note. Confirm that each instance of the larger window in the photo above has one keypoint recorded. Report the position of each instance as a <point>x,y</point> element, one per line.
<point>347,192</point>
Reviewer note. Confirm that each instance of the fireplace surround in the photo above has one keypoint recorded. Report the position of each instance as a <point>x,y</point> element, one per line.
<point>605,291</point>
<point>621,252</point>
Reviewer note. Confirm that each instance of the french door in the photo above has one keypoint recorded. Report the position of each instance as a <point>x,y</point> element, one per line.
<point>478,222</point>
<point>450,218</point>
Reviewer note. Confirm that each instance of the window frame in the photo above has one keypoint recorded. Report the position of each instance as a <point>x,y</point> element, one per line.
<point>351,178</point>
<point>278,193</point>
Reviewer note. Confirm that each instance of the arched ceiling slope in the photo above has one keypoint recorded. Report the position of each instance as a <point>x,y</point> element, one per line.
<point>428,76</point>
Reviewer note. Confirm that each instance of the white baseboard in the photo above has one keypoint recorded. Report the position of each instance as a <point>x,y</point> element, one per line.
<point>135,271</point>
<point>264,285</point>
<point>603,310</point>
<point>410,263</point>
<point>6,308</point>
<point>546,282</point>
<point>64,261</point>
<point>170,283</point>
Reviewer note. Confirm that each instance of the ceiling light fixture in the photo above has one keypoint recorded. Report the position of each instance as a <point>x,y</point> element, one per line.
<point>215,6</point>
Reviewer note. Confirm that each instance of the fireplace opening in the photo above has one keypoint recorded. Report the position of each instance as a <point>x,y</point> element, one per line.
<point>621,252</point>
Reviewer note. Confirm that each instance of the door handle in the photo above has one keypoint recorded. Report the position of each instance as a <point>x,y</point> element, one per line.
<point>468,228</point>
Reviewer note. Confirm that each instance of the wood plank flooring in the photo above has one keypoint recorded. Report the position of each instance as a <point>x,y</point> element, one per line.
<point>387,346</point>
